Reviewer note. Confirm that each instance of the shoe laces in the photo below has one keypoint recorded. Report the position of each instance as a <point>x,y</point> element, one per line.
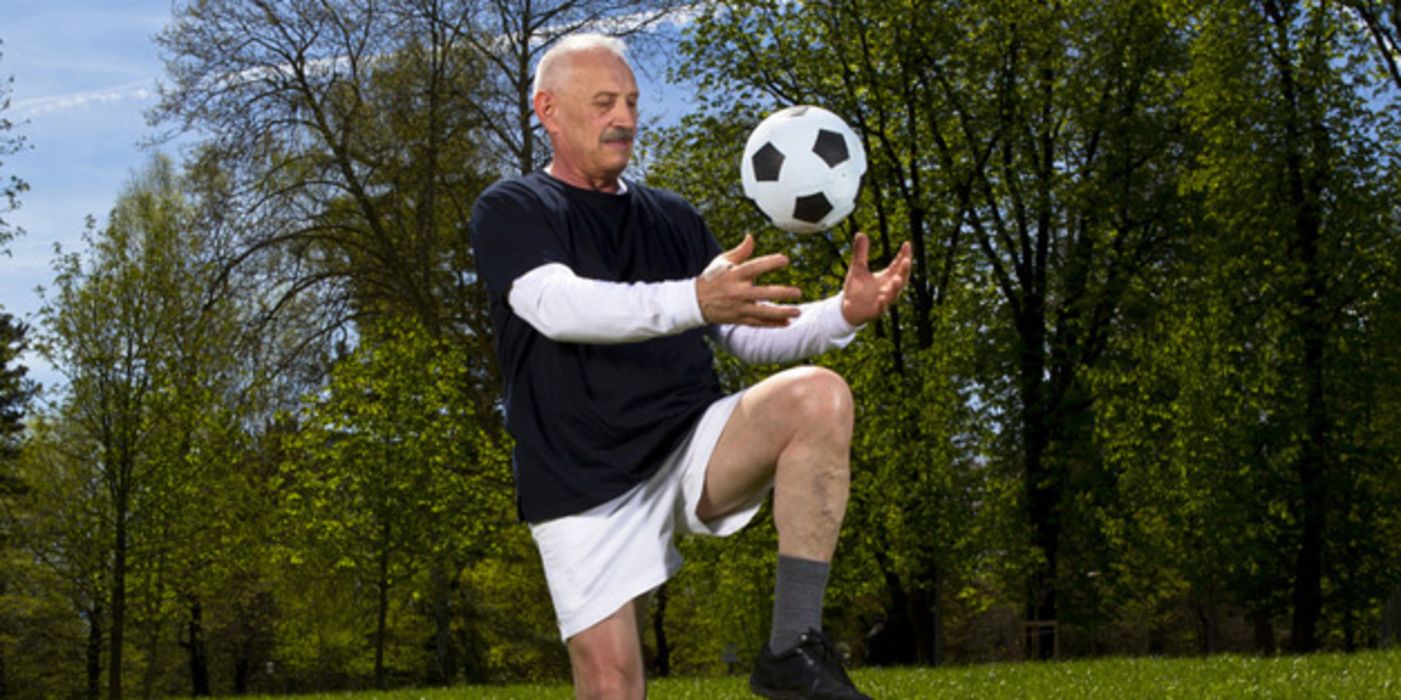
<point>827,651</point>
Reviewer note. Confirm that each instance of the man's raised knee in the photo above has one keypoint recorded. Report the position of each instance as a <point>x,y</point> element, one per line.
<point>821,398</point>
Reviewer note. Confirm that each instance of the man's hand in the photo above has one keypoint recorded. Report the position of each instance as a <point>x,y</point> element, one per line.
<point>866,296</point>
<point>727,293</point>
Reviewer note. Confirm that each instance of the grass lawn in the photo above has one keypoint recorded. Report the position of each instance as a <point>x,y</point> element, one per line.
<point>1370,675</point>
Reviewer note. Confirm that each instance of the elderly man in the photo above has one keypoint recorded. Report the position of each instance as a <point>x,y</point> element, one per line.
<point>603,292</point>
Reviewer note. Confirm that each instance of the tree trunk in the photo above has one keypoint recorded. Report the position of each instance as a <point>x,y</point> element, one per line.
<point>443,661</point>
<point>524,111</point>
<point>922,293</point>
<point>1208,626</point>
<point>1389,629</point>
<point>1308,578</point>
<point>94,654</point>
<point>892,642</point>
<point>252,636</point>
<point>662,663</point>
<point>1042,487</point>
<point>1264,635</point>
<point>243,668</point>
<point>4,588</point>
<point>114,654</point>
<point>925,621</point>
<point>198,650</point>
<point>1311,325</point>
<point>154,626</point>
<point>382,611</point>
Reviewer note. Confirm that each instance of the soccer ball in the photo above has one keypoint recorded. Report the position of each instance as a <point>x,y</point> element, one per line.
<point>802,166</point>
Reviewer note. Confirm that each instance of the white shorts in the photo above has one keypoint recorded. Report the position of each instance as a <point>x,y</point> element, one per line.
<point>598,560</point>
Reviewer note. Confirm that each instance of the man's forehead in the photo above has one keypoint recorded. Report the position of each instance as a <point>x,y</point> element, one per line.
<point>614,91</point>
<point>600,66</point>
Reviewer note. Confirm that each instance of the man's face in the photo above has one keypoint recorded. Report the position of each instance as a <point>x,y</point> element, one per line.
<point>591,116</point>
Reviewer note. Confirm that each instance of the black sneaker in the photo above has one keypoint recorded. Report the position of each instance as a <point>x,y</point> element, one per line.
<point>809,671</point>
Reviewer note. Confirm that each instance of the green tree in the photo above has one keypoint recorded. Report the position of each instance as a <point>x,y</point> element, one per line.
<point>16,391</point>
<point>346,129</point>
<point>129,326</point>
<point>1383,23</point>
<point>353,146</point>
<point>1295,179</point>
<point>56,568</point>
<point>395,478</point>
<point>1240,414</point>
<point>11,187</point>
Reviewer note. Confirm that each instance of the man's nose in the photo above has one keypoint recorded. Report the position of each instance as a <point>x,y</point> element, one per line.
<point>625,114</point>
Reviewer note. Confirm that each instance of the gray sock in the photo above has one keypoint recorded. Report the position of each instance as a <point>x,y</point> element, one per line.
<point>797,600</point>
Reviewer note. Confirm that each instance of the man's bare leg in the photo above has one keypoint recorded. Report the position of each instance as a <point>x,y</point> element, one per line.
<point>795,428</point>
<point>607,658</point>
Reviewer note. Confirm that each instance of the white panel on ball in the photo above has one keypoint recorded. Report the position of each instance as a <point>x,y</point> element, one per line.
<point>802,166</point>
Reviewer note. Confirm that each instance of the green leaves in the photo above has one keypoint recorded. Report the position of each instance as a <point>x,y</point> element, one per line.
<point>392,476</point>
<point>1101,204</point>
<point>11,186</point>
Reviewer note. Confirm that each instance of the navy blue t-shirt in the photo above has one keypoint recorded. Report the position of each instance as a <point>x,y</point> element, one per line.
<point>591,421</point>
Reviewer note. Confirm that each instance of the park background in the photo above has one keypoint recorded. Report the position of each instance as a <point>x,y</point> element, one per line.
<point>1140,398</point>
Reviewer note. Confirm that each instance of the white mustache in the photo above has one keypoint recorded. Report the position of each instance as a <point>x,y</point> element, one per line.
<point>619,134</point>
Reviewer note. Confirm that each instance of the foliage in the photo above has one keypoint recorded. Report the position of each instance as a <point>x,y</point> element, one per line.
<point>1048,154</point>
<point>11,187</point>
<point>16,393</point>
<point>55,570</point>
<point>345,132</point>
<point>392,483</point>
<point>15,389</point>
<point>1215,409</point>
<point>135,330</point>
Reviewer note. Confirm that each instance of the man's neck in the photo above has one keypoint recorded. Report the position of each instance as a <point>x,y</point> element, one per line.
<point>613,185</point>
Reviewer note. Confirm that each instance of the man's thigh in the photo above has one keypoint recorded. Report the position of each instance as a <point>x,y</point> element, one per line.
<point>762,425</point>
<point>606,659</point>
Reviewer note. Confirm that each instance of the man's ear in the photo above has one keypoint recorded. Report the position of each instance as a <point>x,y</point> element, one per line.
<point>545,109</point>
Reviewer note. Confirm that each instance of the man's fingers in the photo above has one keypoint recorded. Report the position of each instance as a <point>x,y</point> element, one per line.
<point>860,250</point>
<point>769,314</point>
<point>902,263</point>
<point>761,265</point>
<point>906,256</point>
<point>741,252</point>
<point>775,292</point>
<point>730,259</point>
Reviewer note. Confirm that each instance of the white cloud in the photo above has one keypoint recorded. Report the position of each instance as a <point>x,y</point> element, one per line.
<point>139,90</point>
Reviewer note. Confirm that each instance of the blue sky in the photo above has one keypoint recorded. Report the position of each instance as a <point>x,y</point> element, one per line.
<point>84,73</point>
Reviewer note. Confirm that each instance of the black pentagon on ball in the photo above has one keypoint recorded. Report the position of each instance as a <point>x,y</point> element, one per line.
<point>767,162</point>
<point>830,147</point>
<point>811,207</point>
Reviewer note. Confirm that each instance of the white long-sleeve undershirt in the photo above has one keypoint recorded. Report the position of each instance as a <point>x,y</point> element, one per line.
<point>565,307</point>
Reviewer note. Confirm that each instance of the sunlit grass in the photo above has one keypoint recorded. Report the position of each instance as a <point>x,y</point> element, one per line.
<point>1375,674</point>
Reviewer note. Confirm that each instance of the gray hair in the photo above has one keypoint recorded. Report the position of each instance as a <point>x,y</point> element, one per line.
<point>572,44</point>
